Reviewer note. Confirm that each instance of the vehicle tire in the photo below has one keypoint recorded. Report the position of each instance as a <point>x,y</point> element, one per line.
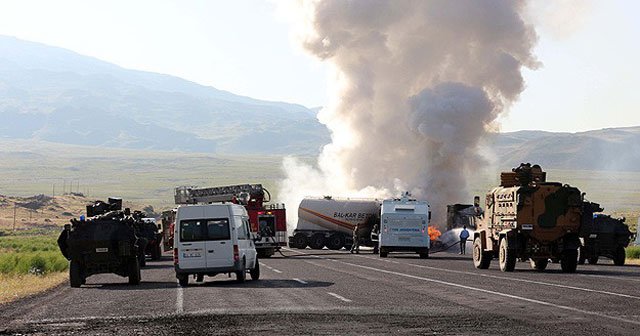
<point>539,264</point>
<point>593,260</point>
<point>241,275</point>
<point>183,280</point>
<point>299,241</point>
<point>481,259</point>
<point>142,259</point>
<point>335,241</point>
<point>317,241</point>
<point>383,253</point>
<point>255,272</point>
<point>582,255</point>
<point>424,254</point>
<point>134,271</point>
<point>157,253</point>
<point>619,256</point>
<point>200,278</point>
<point>569,261</point>
<point>75,274</point>
<point>506,257</point>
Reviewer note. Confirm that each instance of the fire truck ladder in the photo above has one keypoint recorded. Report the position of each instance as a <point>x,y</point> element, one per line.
<point>194,195</point>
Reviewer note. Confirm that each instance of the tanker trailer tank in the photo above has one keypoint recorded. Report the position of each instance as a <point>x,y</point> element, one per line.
<point>330,222</point>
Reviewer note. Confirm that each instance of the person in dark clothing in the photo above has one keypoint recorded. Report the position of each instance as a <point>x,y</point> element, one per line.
<point>464,235</point>
<point>375,234</point>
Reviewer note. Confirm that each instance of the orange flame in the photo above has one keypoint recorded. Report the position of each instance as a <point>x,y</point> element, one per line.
<point>434,233</point>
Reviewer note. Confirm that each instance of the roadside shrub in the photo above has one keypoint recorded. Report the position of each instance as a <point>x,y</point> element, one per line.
<point>633,252</point>
<point>37,255</point>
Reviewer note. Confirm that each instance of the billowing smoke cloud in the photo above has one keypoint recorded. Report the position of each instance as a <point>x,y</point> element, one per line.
<point>416,86</point>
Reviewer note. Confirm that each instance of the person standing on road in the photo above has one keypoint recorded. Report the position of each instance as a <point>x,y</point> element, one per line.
<point>375,235</point>
<point>356,239</point>
<point>464,235</point>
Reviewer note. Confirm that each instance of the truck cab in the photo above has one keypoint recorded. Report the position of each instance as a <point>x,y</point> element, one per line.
<point>212,239</point>
<point>404,227</point>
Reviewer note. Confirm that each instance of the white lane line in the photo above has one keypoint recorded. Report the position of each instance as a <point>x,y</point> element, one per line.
<point>339,297</point>
<point>515,297</point>
<point>607,277</point>
<point>270,268</point>
<point>520,280</point>
<point>180,300</point>
<point>301,281</point>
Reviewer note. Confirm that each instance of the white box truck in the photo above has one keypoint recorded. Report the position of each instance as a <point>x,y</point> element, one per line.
<point>404,226</point>
<point>212,239</point>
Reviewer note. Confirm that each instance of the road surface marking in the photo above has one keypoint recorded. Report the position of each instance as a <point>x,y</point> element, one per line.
<point>520,280</point>
<point>342,298</point>
<point>271,268</point>
<point>301,281</point>
<point>608,277</point>
<point>515,297</point>
<point>180,300</point>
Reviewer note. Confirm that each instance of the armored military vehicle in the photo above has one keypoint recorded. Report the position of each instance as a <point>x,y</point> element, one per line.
<point>602,236</point>
<point>528,218</point>
<point>103,243</point>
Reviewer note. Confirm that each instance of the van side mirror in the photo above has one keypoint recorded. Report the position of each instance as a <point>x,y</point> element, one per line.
<point>429,216</point>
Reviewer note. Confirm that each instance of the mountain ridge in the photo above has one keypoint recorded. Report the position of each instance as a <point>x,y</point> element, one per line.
<point>55,95</point>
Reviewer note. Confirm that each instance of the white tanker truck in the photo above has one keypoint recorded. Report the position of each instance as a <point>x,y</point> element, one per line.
<point>329,222</point>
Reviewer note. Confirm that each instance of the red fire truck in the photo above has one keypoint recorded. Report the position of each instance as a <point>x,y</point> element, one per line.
<point>268,221</point>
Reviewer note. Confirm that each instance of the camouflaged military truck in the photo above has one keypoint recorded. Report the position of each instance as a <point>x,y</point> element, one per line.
<point>528,218</point>
<point>106,242</point>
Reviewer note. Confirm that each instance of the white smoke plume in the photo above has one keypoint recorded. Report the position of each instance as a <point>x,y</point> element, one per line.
<point>416,85</point>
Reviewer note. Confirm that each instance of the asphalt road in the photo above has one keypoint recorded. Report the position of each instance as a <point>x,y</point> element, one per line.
<point>328,292</point>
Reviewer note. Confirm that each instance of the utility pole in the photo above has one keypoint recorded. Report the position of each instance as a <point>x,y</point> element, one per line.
<point>15,208</point>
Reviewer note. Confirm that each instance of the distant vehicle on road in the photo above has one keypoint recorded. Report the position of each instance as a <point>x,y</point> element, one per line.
<point>268,221</point>
<point>213,239</point>
<point>602,236</point>
<point>404,226</point>
<point>106,242</point>
<point>153,235</point>
<point>329,222</point>
<point>528,218</point>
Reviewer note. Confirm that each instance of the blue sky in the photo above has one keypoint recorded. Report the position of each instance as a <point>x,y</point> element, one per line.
<point>589,51</point>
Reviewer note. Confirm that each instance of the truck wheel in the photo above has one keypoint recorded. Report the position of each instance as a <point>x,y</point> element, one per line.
<point>619,256</point>
<point>134,271</point>
<point>424,254</point>
<point>506,257</point>
<point>157,253</point>
<point>142,259</point>
<point>299,240</point>
<point>335,241</point>
<point>569,261</point>
<point>582,255</point>
<point>317,241</point>
<point>75,274</point>
<point>481,259</point>
<point>241,275</point>
<point>183,280</point>
<point>255,272</point>
<point>593,260</point>
<point>539,264</point>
